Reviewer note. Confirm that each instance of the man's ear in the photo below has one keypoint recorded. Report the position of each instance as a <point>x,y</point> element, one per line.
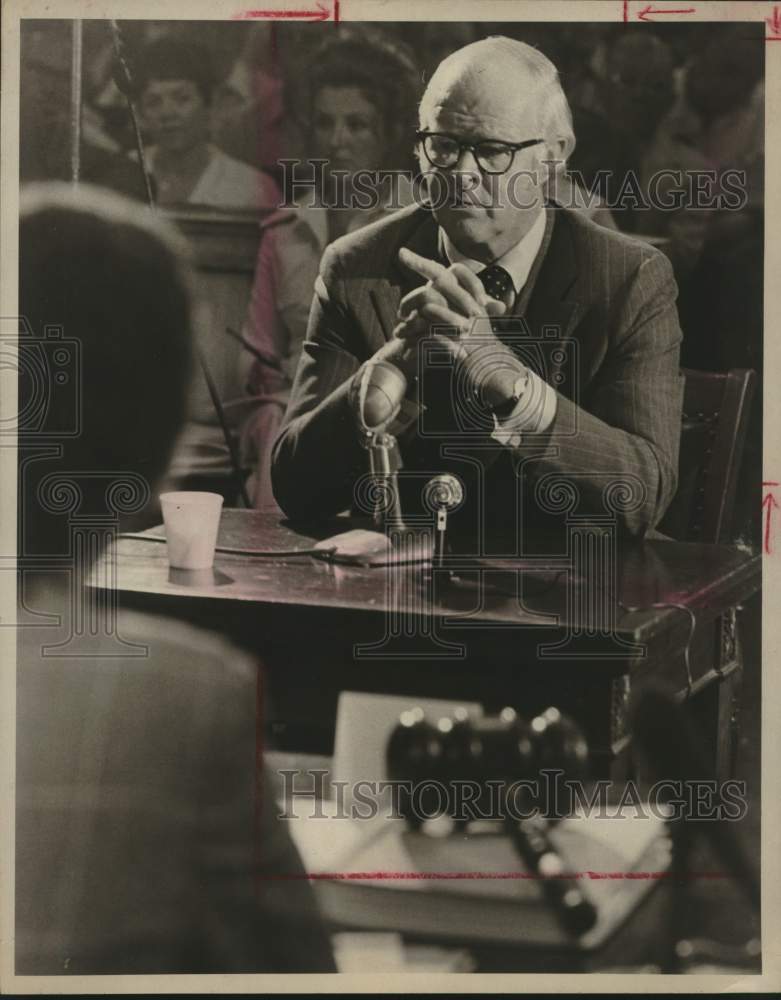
<point>556,153</point>
<point>553,163</point>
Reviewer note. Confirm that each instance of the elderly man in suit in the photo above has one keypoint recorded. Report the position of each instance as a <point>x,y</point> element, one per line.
<point>539,352</point>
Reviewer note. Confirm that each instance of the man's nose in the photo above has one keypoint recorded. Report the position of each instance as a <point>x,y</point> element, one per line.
<point>167,109</point>
<point>338,136</point>
<point>467,166</point>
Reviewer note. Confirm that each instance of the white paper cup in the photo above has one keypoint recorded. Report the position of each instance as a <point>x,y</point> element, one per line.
<point>191,524</point>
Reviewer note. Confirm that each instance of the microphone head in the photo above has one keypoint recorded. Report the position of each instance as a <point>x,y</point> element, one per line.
<point>385,391</point>
<point>443,492</point>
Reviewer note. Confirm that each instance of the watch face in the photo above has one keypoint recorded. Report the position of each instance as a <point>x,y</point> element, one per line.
<point>520,386</point>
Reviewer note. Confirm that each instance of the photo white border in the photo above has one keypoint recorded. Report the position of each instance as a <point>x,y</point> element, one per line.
<point>393,10</point>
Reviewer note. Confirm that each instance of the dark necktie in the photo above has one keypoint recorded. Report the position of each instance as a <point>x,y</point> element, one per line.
<point>499,285</point>
<point>510,326</point>
<point>497,282</point>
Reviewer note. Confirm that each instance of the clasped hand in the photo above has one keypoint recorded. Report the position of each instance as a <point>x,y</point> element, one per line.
<point>453,297</point>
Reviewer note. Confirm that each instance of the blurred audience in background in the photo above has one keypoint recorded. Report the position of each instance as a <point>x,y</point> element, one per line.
<point>253,117</point>
<point>46,120</point>
<point>633,100</point>
<point>174,83</point>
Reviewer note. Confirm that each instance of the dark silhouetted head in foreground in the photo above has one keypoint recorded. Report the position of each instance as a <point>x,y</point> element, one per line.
<point>104,347</point>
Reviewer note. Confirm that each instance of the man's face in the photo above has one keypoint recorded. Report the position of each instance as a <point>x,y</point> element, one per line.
<point>348,129</point>
<point>176,114</point>
<point>484,214</point>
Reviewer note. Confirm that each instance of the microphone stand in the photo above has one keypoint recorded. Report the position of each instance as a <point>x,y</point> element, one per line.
<point>443,493</point>
<point>218,409</point>
<point>384,462</point>
<point>384,465</point>
<point>124,81</point>
<point>77,46</point>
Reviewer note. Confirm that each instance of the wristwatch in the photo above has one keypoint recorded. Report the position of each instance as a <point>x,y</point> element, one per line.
<point>506,409</point>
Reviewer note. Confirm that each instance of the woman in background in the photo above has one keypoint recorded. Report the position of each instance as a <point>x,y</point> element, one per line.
<point>360,103</point>
<point>175,82</point>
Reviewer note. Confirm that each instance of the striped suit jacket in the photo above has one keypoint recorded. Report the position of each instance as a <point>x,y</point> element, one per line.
<point>598,313</point>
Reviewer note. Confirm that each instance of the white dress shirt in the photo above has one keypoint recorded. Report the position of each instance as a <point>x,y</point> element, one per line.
<point>517,261</point>
<point>228,183</point>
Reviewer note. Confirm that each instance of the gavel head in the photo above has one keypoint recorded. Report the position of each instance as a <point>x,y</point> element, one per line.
<point>413,757</point>
<point>558,744</point>
<point>491,753</point>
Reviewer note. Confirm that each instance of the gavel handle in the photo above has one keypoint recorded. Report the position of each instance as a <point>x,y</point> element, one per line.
<point>530,839</point>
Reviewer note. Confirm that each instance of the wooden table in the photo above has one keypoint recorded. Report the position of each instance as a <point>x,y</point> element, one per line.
<point>515,637</point>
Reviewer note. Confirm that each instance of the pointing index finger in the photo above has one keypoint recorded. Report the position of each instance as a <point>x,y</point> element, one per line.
<point>428,269</point>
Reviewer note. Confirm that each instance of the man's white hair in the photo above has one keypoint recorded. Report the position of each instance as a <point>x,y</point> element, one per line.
<point>554,118</point>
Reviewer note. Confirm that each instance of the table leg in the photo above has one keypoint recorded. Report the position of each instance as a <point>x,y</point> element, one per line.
<point>728,732</point>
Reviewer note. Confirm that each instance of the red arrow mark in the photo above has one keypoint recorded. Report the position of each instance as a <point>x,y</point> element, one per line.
<point>321,14</point>
<point>775,21</point>
<point>767,508</point>
<point>645,14</point>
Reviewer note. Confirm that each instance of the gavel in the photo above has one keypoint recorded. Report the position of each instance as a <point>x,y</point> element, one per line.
<point>494,752</point>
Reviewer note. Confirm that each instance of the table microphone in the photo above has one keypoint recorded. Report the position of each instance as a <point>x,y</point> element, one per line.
<point>386,388</point>
<point>442,495</point>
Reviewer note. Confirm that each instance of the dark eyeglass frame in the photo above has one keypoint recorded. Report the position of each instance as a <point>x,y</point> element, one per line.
<point>513,147</point>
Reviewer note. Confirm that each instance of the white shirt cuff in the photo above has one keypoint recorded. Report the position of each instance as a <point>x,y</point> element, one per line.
<point>533,413</point>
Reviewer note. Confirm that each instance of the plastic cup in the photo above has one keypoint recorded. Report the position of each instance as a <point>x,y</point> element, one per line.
<point>191,524</point>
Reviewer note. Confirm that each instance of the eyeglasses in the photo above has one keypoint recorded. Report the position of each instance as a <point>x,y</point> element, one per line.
<point>493,156</point>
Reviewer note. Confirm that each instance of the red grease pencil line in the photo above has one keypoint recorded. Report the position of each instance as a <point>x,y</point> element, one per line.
<point>413,876</point>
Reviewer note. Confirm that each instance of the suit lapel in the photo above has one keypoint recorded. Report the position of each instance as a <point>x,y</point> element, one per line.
<point>548,301</point>
<point>550,304</point>
<point>400,280</point>
<point>424,241</point>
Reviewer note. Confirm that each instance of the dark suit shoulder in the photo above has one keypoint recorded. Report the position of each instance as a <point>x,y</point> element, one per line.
<point>596,244</point>
<point>367,252</point>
